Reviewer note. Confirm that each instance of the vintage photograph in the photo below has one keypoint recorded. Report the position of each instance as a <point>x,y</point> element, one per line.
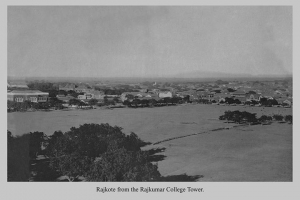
<point>149,93</point>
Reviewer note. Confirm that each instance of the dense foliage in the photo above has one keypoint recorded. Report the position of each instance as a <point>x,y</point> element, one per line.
<point>95,152</point>
<point>239,117</point>
<point>42,86</point>
<point>246,117</point>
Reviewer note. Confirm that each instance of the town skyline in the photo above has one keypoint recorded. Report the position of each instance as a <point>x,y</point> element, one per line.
<point>149,41</point>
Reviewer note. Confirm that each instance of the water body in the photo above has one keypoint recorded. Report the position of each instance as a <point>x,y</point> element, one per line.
<point>151,124</point>
<point>250,153</point>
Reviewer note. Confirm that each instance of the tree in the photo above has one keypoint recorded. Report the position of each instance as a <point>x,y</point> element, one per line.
<point>74,94</point>
<point>175,100</point>
<point>116,99</point>
<point>152,102</point>
<point>288,118</point>
<point>105,100</point>
<point>127,103</point>
<point>129,96</point>
<point>229,100</point>
<point>167,100</point>
<point>56,103</point>
<point>145,102</point>
<point>187,98</point>
<point>18,160</point>
<point>230,90</point>
<point>74,153</point>
<point>74,102</point>
<point>265,118</point>
<point>36,141</point>
<point>123,165</point>
<point>93,102</point>
<point>278,117</point>
<point>238,116</point>
<point>136,102</point>
<point>237,101</point>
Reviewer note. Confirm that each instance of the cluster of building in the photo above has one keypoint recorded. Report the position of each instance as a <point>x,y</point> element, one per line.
<point>216,91</point>
<point>219,91</point>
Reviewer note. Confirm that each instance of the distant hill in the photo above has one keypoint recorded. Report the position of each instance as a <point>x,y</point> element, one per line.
<point>208,74</point>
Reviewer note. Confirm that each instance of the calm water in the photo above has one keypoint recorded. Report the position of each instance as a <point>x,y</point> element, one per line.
<point>151,124</point>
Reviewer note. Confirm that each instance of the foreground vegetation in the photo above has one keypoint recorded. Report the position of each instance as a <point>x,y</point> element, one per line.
<point>92,152</point>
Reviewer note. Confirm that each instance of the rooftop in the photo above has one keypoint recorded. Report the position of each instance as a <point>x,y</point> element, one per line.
<point>27,92</point>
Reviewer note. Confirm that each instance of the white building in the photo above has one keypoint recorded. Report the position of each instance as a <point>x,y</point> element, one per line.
<point>165,94</point>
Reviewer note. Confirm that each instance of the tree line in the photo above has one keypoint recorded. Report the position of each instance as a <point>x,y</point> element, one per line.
<point>136,102</point>
<point>241,117</point>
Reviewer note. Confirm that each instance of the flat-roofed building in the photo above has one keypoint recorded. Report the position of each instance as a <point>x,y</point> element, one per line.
<point>27,95</point>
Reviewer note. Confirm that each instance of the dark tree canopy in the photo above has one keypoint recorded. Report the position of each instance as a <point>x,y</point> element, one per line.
<point>77,152</point>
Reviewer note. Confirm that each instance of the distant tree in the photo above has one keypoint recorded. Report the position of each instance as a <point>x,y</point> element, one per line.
<point>145,102</point>
<point>62,92</point>
<point>74,94</point>
<point>229,100</point>
<point>254,102</point>
<point>186,98</point>
<point>278,117</point>
<point>74,102</point>
<point>56,103</point>
<point>129,96</point>
<point>230,90</point>
<point>167,100</point>
<point>238,116</point>
<point>42,86</point>
<point>265,118</point>
<point>237,101</point>
<point>116,99</point>
<point>136,102</point>
<point>152,102</point>
<point>175,100</point>
<point>93,102</point>
<point>127,103</point>
<point>105,100</point>
<point>288,118</point>
<point>273,101</point>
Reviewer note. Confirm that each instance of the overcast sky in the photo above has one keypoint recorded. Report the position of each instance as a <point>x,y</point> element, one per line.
<point>150,41</point>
